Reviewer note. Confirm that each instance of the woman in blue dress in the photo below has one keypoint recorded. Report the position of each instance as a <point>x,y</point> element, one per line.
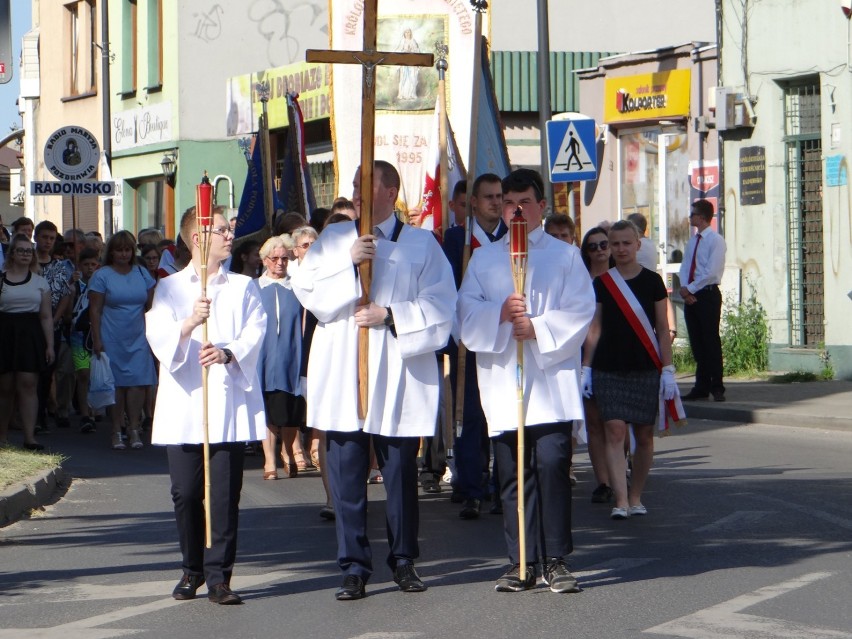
<point>119,293</point>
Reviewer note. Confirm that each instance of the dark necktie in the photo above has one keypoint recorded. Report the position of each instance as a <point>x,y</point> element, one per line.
<point>692,264</point>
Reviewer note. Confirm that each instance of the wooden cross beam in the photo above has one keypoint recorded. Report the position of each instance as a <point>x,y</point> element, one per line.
<point>369,59</point>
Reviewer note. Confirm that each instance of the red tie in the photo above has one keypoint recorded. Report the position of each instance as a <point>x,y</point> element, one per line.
<point>692,264</point>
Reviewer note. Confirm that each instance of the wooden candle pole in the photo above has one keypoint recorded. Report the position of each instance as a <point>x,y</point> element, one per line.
<point>518,253</point>
<point>204,222</point>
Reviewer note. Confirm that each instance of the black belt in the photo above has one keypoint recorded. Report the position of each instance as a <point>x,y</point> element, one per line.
<point>709,287</point>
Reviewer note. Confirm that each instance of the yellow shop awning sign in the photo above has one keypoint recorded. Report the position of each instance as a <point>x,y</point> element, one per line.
<point>647,96</point>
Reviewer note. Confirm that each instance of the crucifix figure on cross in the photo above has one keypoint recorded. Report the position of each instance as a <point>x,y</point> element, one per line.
<point>369,59</point>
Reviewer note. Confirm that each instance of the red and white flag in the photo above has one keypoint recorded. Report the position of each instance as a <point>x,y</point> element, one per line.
<point>431,204</point>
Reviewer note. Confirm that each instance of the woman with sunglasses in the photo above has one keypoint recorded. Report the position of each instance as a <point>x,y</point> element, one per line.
<point>26,324</point>
<point>280,362</point>
<point>630,324</point>
<point>598,260</point>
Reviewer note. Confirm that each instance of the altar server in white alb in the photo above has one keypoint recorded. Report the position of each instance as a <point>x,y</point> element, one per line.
<point>410,315</point>
<point>552,319</point>
<point>236,323</point>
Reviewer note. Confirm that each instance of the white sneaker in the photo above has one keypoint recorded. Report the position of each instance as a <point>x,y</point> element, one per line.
<point>619,513</point>
<point>637,511</point>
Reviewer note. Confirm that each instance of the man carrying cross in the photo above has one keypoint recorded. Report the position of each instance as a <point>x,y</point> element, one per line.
<point>408,315</point>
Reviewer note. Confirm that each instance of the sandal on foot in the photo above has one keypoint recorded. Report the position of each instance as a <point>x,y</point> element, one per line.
<point>270,475</point>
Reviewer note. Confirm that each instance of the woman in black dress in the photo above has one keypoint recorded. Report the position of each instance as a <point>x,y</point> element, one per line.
<point>626,380</point>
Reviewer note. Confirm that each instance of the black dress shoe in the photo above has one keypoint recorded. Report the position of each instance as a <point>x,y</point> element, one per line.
<point>719,396</point>
<point>406,578</point>
<point>694,395</point>
<point>430,485</point>
<point>35,447</point>
<point>352,588</point>
<point>470,510</point>
<point>187,587</point>
<point>223,595</point>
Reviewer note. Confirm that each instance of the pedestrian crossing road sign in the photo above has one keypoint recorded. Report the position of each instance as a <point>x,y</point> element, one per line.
<point>571,149</point>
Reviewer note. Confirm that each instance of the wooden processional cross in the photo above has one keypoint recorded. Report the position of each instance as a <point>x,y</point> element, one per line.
<point>369,59</point>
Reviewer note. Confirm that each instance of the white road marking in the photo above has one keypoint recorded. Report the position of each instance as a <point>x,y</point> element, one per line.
<point>88,628</point>
<point>614,566</point>
<point>813,512</point>
<point>735,521</point>
<point>725,621</point>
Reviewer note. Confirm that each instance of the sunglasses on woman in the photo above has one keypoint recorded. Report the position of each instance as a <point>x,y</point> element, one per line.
<point>594,246</point>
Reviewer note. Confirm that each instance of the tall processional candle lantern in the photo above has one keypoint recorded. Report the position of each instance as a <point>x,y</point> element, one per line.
<point>518,253</point>
<point>204,222</point>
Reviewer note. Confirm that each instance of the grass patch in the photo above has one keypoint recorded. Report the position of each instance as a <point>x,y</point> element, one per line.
<point>793,378</point>
<point>682,358</point>
<point>17,465</point>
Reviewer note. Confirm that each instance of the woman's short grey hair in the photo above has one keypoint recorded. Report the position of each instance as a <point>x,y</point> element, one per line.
<point>274,242</point>
<point>304,231</point>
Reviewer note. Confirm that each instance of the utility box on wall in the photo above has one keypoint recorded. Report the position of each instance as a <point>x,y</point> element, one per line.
<point>725,102</point>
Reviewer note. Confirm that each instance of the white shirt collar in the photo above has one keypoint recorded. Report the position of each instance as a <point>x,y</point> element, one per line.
<point>388,226</point>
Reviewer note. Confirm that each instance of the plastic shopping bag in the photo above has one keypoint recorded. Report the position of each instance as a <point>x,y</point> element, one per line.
<point>101,382</point>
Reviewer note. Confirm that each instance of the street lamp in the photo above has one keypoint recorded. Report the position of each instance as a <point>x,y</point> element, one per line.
<point>169,166</point>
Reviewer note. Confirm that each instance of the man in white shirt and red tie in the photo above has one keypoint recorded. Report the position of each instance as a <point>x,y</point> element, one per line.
<point>700,275</point>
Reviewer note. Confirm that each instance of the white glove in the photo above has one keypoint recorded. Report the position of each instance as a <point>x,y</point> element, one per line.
<point>586,381</point>
<point>668,387</point>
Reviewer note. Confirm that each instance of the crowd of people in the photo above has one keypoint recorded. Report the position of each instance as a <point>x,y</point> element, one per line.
<point>591,332</point>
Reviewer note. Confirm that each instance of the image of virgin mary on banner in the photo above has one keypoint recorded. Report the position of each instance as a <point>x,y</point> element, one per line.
<point>405,96</point>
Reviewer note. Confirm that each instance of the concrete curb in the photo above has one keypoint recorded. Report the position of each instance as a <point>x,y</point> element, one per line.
<point>19,499</point>
<point>774,416</point>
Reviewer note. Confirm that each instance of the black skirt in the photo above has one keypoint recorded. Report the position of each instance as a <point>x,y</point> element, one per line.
<point>631,396</point>
<point>24,346</point>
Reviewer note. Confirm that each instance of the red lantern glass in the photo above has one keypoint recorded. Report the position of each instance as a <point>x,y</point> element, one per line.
<point>204,202</point>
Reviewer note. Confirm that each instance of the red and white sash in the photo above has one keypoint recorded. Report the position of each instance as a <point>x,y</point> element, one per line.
<point>671,411</point>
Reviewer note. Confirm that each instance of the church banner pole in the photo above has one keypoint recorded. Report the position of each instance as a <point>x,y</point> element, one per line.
<point>369,59</point>
<point>441,49</point>
<point>263,91</point>
<point>204,228</point>
<point>479,7</point>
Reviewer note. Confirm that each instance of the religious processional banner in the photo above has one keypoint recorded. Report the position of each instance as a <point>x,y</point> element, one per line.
<point>405,96</point>
<point>311,82</point>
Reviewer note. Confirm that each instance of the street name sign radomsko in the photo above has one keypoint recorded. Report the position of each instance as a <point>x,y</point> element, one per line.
<point>71,154</point>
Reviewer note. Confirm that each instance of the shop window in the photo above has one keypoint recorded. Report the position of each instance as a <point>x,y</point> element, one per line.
<point>149,205</point>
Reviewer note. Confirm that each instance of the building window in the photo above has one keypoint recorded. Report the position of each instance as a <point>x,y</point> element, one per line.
<point>155,45</point>
<point>80,32</point>
<point>802,121</point>
<point>129,47</point>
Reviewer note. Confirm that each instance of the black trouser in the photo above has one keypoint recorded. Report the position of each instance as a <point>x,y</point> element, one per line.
<point>186,468</point>
<point>702,323</point>
<point>348,462</point>
<point>547,490</point>
<point>45,380</point>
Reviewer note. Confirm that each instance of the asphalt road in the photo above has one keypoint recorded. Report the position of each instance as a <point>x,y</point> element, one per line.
<point>749,534</point>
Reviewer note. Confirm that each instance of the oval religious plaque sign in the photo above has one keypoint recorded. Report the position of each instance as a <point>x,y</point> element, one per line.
<point>72,153</point>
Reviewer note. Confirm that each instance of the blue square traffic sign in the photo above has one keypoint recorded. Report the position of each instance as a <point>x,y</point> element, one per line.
<point>571,149</point>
